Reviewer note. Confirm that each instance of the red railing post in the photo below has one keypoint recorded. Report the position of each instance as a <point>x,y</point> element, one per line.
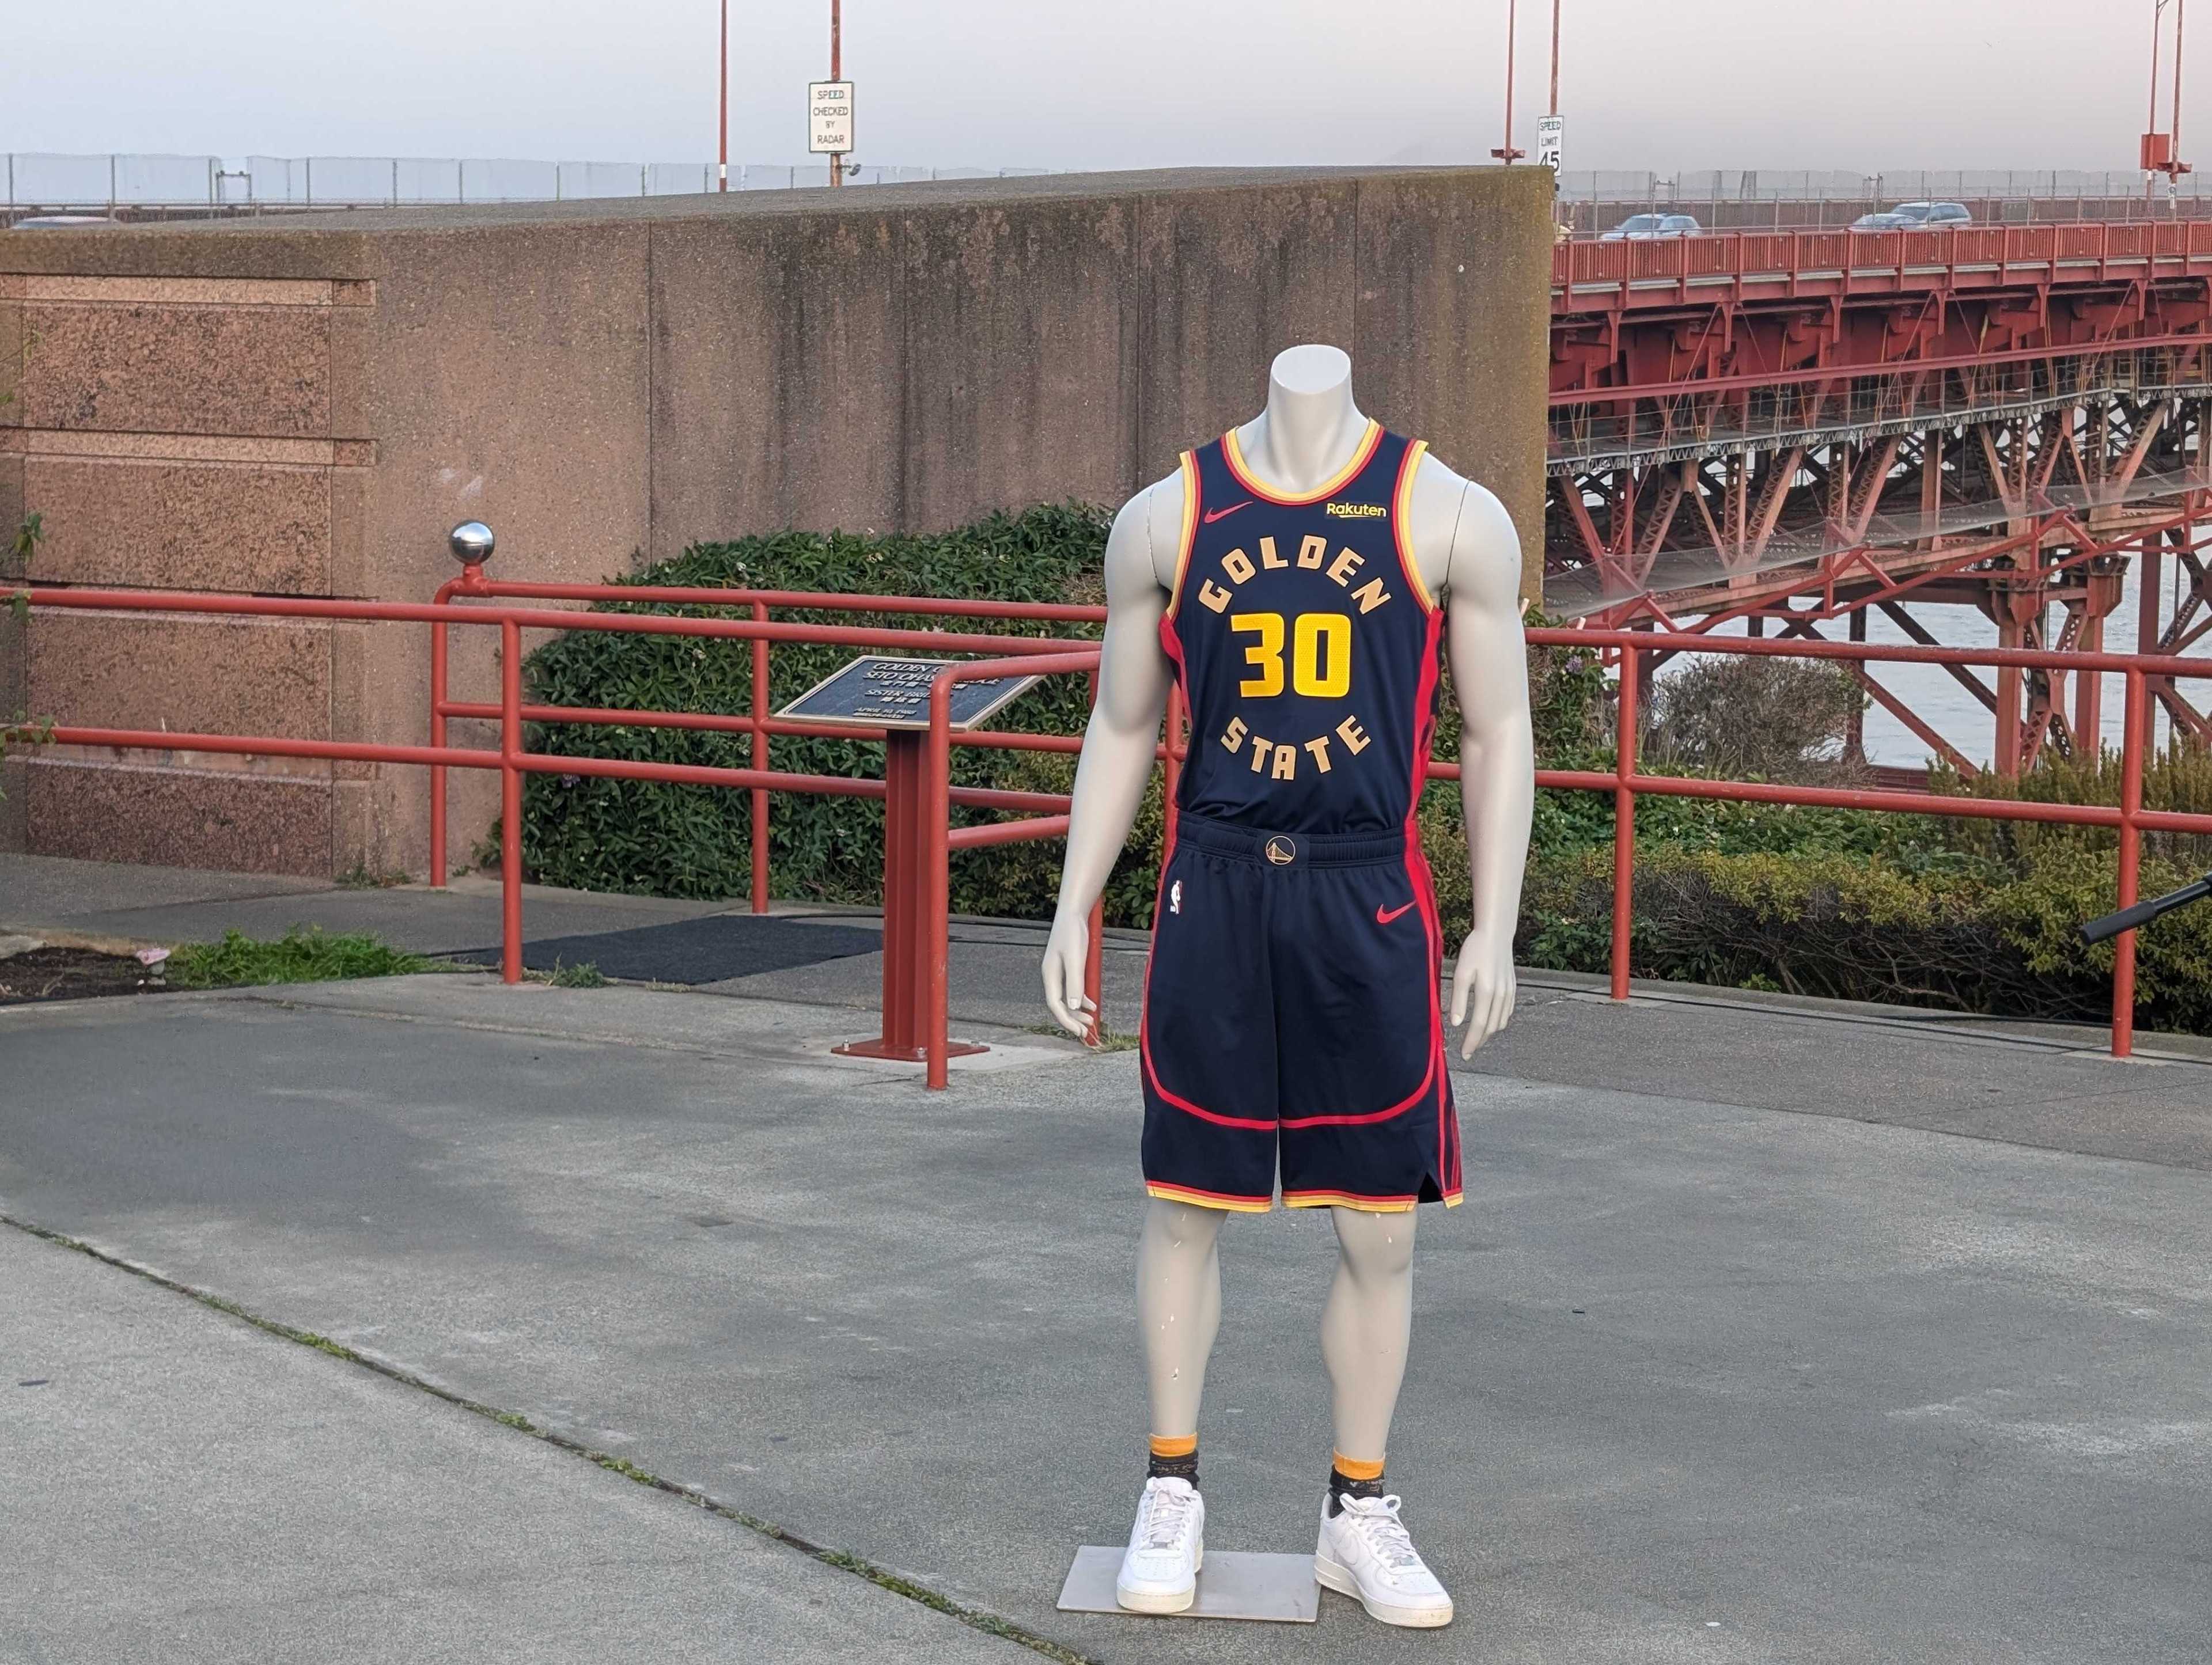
<point>1624,822</point>
<point>937,882</point>
<point>2124,946</point>
<point>437,738</point>
<point>510,800</point>
<point>758,756</point>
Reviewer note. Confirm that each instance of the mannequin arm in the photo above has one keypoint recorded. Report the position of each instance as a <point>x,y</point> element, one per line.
<point>1497,754</point>
<point>1134,676</point>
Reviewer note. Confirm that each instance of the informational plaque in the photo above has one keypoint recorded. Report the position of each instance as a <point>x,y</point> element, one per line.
<point>877,692</point>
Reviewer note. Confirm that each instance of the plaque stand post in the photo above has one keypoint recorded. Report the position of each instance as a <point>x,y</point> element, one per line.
<point>905,944</point>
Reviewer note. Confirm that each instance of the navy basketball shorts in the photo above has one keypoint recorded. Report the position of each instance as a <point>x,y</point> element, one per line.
<point>1292,1024</point>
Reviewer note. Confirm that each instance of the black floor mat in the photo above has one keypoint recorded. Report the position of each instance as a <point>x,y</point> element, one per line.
<point>694,950</point>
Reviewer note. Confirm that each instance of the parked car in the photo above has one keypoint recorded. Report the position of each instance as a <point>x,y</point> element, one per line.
<point>1649,228</point>
<point>1934,218</point>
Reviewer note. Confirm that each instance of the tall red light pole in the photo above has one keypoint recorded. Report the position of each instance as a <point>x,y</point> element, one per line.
<point>722,163</point>
<point>836,73</point>
<point>1554,110</point>
<point>1506,152</point>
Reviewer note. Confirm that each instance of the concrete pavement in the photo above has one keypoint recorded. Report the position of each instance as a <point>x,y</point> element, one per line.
<point>1762,1336</point>
<point>182,1487</point>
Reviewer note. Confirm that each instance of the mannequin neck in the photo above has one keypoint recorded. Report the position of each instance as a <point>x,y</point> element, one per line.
<point>1305,435</point>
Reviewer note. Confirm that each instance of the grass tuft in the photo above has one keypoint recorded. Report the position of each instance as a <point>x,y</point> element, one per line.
<point>299,956</point>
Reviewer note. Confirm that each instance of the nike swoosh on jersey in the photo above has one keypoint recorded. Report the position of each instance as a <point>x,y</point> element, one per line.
<point>1213,515</point>
<point>1383,918</point>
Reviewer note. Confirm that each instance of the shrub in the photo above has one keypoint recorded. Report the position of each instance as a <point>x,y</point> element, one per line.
<point>2179,778</point>
<point>661,840</point>
<point>1770,719</point>
<point>1956,934</point>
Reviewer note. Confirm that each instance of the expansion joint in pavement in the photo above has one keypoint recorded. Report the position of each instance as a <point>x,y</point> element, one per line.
<point>976,1617</point>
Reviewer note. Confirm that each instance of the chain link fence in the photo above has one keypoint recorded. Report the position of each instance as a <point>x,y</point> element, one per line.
<point>44,182</point>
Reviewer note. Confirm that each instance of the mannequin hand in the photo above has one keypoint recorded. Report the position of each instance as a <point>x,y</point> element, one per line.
<point>1064,955</point>
<point>1482,989</point>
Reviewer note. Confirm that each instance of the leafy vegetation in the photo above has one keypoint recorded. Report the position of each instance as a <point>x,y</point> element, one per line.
<point>298,957</point>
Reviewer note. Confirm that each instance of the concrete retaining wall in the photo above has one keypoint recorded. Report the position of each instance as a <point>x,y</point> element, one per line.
<point>306,407</point>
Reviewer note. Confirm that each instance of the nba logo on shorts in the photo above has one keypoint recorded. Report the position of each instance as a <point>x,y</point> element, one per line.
<point>1175,898</point>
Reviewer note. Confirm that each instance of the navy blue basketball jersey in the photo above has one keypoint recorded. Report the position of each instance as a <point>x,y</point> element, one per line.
<point>1306,644</point>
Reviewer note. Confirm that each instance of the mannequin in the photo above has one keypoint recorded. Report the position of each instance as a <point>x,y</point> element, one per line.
<point>1462,545</point>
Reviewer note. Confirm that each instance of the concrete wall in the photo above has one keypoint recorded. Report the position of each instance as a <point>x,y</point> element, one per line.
<point>304,408</point>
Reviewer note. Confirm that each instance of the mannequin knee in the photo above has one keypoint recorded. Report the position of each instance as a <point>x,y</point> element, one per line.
<point>1377,1248</point>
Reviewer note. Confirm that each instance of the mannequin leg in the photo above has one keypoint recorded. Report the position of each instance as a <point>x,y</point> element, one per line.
<point>1366,1328</point>
<point>1179,1306</point>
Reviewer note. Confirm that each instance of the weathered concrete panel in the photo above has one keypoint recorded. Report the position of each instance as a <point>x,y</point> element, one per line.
<point>778,360</point>
<point>191,675</point>
<point>1226,280</point>
<point>1452,339</point>
<point>1021,356</point>
<point>205,525</point>
<point>177,817</point>
<point>147,368</point>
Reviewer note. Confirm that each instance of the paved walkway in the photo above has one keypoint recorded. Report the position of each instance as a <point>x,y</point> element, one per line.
<point>1765,1334</point>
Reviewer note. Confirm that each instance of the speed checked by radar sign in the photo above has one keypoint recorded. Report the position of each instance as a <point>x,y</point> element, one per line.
<point>830,118</point>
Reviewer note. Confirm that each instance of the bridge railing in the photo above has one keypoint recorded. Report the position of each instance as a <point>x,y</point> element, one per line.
<point>1584,273</point>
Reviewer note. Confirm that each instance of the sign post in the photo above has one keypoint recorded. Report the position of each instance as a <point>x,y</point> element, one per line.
<point>877,691</point>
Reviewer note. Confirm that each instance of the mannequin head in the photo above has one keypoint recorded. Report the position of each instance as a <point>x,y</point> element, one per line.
<point>1310,424</point>
<point>1310,369</point>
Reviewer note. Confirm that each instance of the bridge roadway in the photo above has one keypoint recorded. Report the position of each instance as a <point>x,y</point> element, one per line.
<point>1769,1331</point>
<point>1793,427</point>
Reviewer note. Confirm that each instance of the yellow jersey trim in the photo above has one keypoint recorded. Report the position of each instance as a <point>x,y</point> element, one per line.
<point>1233,454</point>
<point>1189,463</point>
<point>1402,509</point>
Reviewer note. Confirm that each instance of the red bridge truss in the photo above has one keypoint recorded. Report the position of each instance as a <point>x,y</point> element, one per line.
<point>1794,429</point>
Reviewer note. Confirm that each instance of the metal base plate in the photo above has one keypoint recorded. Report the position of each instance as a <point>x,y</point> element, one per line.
<point>884,1049</point>
<point>1233,1584</point>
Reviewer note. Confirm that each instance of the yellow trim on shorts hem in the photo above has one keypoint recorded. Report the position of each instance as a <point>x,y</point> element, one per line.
<point>1346,1199</point>
<point>1206,1199</point>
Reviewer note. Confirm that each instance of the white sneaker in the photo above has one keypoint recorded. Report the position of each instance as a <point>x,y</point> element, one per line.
<point>1365,1552</point>
<point>1167,1546</point>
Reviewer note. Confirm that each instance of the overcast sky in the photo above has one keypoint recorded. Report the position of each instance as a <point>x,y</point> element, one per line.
<point>1660,84</point>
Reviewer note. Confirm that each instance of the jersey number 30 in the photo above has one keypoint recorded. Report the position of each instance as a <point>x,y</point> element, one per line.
<point>1321,655</point>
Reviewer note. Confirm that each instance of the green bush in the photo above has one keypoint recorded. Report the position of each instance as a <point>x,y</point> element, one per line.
<point>1955,933</point>
<point>661,840</point>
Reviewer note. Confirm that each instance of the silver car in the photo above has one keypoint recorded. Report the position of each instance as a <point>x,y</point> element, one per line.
<point>1650,228</point>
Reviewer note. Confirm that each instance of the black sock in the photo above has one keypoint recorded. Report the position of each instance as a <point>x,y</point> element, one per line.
<point>1342,1485</point>
<point>1174,1468</point>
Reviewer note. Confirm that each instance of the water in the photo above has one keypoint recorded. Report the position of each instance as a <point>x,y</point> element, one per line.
<point>1938,699</point>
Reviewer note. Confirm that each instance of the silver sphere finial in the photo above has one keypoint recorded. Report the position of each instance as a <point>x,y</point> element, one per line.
<point>471,542</point>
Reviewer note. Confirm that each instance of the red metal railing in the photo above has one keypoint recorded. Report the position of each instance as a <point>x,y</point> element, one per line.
<point>1599,276</point>
<point>474,583</point>
<point>920,993</point>
<point>918,890</point>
